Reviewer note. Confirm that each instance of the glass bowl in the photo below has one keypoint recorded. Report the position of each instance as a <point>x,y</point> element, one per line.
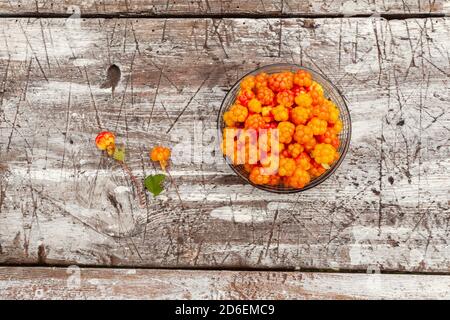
<point>330,91</point>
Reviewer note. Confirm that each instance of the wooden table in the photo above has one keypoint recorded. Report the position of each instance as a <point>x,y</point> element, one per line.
<point>70,225</point>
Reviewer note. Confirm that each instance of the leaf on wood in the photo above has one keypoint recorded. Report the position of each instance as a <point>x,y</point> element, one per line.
<point>113,75</point>
<point>153,183</point>
<point>119,153</point>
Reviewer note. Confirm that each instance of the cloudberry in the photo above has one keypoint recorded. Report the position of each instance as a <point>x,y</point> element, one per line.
<point>261,80</point>
<point>316,169</point>
<point>317,97</point>
<point>302,78</point>
<point>337,127</point>
<point>258,176</point>
<point>303,160</point>
<point>285,98</point>
<point>286,130</point>
<point>321,112</point>
<point>299,115</point>
<point>106,141</point>
<point>244,96</point>
<point>333,112</point>
<point>296,89</point>
<point>287,167</point>
<point>303,134</point>
<point>299,178</point>
<point>266,111</point>
<point>238,113</point>
<point>248,82</point>
<point>161,154</point>
<point>310,144</point>
<point>265,95</point>
<point>318,126</point>
<point>324,153</point>
<point>317,87</point>
<point>295,149</point>
<point>254,105</point>
<point>303,100</point>
<point>281,81</point>
<point>280,113</point>
<point>228,119</point>
<point>255,121</point>
<point>274,180</point>
<point>329,137</point>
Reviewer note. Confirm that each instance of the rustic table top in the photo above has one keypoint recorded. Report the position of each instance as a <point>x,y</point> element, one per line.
<point>62,204</point>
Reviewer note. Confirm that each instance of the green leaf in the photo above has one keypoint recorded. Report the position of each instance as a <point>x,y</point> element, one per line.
<point>154,183</point>
<point>119,154</point>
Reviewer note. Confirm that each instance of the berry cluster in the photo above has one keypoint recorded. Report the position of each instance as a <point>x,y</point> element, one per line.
<point>308,126</point>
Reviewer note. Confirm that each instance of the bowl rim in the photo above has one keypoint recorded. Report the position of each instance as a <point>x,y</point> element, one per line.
<point>314,183</point>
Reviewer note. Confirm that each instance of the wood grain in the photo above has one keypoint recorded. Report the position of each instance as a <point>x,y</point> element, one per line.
<point>63,203</point>
<point>218,7</point>
<point>81,283</point>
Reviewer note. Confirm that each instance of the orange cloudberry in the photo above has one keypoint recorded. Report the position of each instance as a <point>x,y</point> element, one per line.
<point>303,160</point>
<point>280,113</point>
<point>255,121</point>
<point>316,169</point>
<point>303,134</point>
<point>285,98</point>
<point>321,112</point>
<point>317,87</point>
<point>295,149</point>
<point>265,95</point>
<point>281,81</point>
<point>238,113</point>
<point>229,119</point>
<point>299,115</point>
<point>318,126</point>
<point>299,178</point>
<point>337,127</point>
<point>302,78</point>
<point>310,144</point>
<point>286,167</point>
<point>266,111</point>
<point>286,130</point>
<point>248,82</point>
<point>303,100</point>
<point>106,141</point>
<point>258,176</point>
<point>261,80</point>
<point>324,153</point>
<point>161,154</point>
<point>317,97</point>
<point>254,105</point>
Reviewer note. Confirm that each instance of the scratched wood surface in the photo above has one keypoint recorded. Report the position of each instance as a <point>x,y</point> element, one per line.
<point>61,203</point>
<point>240,7</point>
<point>75,283</point>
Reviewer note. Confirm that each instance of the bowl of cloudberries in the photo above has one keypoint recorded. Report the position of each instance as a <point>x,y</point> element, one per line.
<point>284,128</point>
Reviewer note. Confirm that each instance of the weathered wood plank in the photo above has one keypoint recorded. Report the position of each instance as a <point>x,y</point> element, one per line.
<point>203,7</point>
<point>84,283</point>
<point>61,203</point>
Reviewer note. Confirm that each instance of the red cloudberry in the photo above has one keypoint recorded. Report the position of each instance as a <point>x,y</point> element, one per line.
<point>281,81</point>
<point>316,169</point>
<point>318,126</point>
<point>244,96</point>
<point>329,137</point>
<point>106,141</point>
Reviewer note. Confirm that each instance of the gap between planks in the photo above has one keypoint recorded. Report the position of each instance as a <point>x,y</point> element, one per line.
<point>145,15</point>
